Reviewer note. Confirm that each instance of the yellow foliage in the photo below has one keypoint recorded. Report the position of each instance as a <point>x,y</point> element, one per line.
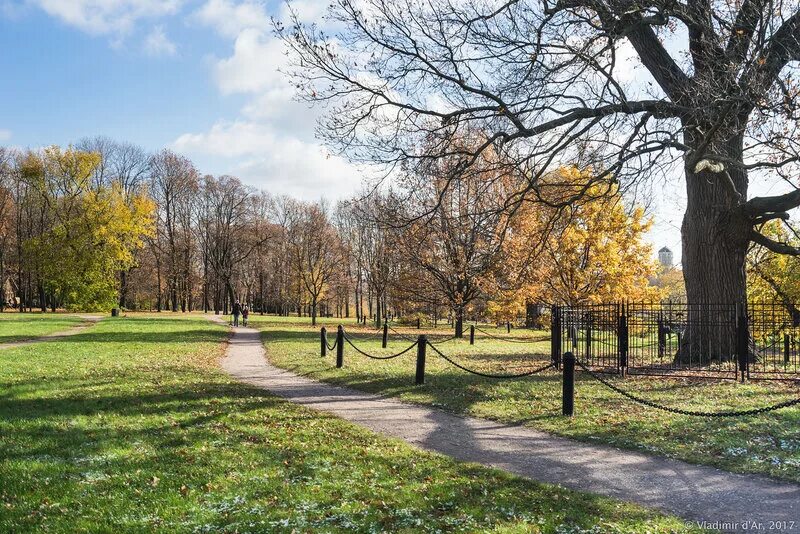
<point>589,252</point>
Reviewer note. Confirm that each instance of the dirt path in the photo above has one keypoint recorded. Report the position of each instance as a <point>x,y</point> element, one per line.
<point>696,493</point>
<point>88,320</point>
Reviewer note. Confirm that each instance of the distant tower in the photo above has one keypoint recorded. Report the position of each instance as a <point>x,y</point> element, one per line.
<point>665,257</point>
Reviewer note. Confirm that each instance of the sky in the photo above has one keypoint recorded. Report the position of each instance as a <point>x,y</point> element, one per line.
<point>200,77</point>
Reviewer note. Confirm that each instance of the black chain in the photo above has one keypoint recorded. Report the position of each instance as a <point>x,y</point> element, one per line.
<point>331,347</point>
<point>489,375</point>
<point>349,342</point>
<point>754,411</point>
<point>511,340</point>
<point>441,341</point>
<point>402,335</point>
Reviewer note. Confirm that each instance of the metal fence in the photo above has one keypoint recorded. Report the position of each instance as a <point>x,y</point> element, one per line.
<point>760,340</point>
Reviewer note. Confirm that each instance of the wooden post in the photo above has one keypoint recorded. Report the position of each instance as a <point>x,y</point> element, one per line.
<point>323,342</point>
<point>422,345</point>
<point>385,335</point>
<point>568,385</point>
<point>508,327</point>
<point>472,334</point>
<point>340,346</point>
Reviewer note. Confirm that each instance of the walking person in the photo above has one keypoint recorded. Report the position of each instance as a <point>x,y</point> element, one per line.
<point>245,314</point>
<point>237,309</point>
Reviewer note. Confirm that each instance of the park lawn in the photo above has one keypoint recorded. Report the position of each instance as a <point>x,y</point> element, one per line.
<point>132,426</point>
<point>22,326</point>
<point>767,444</point>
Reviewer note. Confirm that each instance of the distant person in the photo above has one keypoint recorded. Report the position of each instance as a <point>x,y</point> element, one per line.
<point>237,309</point>
<point>245,314</point>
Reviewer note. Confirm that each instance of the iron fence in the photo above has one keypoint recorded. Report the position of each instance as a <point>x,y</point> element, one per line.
<point>760,340</point>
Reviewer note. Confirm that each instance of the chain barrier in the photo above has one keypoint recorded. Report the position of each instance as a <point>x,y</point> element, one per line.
<point>407,338</point>
<point>754,411</point>
<point>451,338</point>
<point>350,342</point>
<point>331,347</point>
<point>481,330</point>
<point>489,375</point>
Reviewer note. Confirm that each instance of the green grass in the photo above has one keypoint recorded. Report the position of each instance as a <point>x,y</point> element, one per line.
<point>131,426</point>
<point>767,444</point>
<point>22,326</point>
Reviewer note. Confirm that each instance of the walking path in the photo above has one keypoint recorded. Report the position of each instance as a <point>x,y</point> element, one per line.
<point>694,492</point>
<point>88,320</point>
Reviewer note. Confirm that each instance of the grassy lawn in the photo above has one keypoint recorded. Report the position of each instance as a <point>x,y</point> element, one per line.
<point>22,326</point>
<point>131,426</point>
<point>767,444</point>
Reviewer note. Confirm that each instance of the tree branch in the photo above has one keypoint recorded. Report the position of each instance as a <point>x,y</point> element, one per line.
<point>774,246</point>
<point>779,203</point>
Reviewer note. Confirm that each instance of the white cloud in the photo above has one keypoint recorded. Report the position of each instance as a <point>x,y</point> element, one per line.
<point>271,145</point>
<point>5,135</point>
<point>103,17</point>
<point>157,43</point>
<point>275,161</point>
<point>229,18</point>
<point>254,65</point>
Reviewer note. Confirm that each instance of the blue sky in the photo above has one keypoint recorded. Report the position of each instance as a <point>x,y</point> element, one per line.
<point>197,76</point>
<point>200,77</point>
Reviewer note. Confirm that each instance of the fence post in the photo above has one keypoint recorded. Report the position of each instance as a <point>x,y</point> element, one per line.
<point>742,342</point>
<point>785,348</point>
<point>323,342</point>
<point>568,385</point>
<point>422,345</point>
<point>417,323</point>
<point>588,337</point>
<point>472,334</point>
<point>622,341</point>
<point>385,335</point>
<point>555,336</point>
<point>508,327</point>
<point>340,346</point>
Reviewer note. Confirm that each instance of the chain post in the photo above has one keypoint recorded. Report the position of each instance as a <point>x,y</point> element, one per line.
<point>417,323</point>
<point>472,334</point>
<point>422,345</point>
<point>508,327</point>
<point>568,385</point>
<point>323,342</point>
<point>385,335</point>
<point>340,347</point>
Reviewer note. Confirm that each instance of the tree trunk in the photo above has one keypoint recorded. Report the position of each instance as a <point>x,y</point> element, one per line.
<point>715,236</point>
<point>459,322</point>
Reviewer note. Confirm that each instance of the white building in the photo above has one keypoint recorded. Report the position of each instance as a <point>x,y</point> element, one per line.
<point>665,257</point>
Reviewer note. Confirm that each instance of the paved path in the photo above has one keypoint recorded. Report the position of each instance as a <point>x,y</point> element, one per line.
<point>88,320</point>
<point>690,491</point>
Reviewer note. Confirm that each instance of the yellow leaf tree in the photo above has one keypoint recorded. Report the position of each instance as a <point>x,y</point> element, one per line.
<point>590,252</point>
<point>92,233</point>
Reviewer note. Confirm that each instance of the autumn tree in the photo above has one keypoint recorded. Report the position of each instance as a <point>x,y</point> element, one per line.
<point>92,230</point>
<point>775,275</point>
<point>592,253</point>
<point>453,228</point>
<point>316,252</point>
<point>173,183</point>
